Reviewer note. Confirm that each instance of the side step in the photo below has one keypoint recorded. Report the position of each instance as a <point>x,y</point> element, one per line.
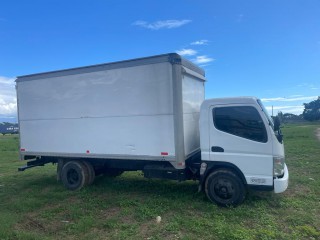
<point>164,172</point>
<point>34,163</point>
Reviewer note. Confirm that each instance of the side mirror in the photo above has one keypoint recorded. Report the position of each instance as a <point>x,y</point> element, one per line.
<point>279,136</point>
<point>277,123</point>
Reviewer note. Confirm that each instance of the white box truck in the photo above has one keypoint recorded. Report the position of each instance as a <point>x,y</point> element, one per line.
<point>148,114</point>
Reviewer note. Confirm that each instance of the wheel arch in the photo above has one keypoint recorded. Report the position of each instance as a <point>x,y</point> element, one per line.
<point>213,166</point>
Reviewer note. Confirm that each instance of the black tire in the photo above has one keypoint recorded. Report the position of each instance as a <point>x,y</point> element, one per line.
<point>91,172</point>
<point>225,188</point>
<point>74,175</point>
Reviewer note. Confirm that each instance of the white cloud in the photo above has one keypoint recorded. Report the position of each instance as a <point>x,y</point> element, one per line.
<point>200,42</point>
<point>292,99</point>
<point>187,52</point>
<point>284,107</point>
<point>279,103</point>
<point>8,101</point>
<point>272,99</point>
<point>6,80</point>
<point>204,65</point>
<point>297,95</point>
<point>298,109</point>
<point>202,59</point>
<point>311,86</point>
<point>162,24</point>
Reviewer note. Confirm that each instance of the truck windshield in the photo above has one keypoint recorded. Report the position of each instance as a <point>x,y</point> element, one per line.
<point>266,113</point>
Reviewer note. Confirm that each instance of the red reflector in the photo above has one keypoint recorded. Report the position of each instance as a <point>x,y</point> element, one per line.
<point>164,153</point>
<point>22,149</point>
<point>87,151</point>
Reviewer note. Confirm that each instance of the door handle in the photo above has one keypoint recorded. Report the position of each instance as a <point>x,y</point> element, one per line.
<point>217,149</point>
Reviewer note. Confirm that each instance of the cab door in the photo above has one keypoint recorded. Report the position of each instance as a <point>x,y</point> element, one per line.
<point>238,135</point>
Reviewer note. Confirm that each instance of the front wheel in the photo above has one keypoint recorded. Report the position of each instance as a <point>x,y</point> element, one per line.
<point>225,188</point>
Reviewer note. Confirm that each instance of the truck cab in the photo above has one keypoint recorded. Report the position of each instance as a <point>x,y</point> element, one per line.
<point>240,149</point>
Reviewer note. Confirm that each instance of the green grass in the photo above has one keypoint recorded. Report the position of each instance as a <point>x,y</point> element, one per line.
<point>33,205</point>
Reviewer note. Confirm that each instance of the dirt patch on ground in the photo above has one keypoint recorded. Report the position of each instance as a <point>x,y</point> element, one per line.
<point>110,212</point>
<point>318,133</point>
<point>31,223</point>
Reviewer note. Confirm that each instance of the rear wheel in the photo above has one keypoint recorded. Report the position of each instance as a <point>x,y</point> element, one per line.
<point>91,172</point>
<point>225,188</point>
<point>74,175</point>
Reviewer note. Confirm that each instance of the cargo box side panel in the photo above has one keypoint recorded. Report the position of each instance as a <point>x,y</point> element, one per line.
<point>193,96</point>
<point>105,137</point>
<point>141,90</point>
<point>124,111</point>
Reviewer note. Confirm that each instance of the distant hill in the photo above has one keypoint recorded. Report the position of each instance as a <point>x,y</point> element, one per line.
<point>8,119</point>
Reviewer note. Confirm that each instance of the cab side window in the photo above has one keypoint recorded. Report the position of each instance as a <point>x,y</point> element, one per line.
<point>242,121</point>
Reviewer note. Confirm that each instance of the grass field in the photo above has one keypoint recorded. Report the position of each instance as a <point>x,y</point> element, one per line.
<point>33,205</point>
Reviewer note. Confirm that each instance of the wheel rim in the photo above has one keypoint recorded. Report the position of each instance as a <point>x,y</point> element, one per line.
<point>224,189</point>
<point>72,177</point>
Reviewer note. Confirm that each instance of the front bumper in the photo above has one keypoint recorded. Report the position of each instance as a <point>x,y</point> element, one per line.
<point>281,184</point>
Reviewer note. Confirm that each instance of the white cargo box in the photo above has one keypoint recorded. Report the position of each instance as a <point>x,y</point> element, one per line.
<point>141,109</point>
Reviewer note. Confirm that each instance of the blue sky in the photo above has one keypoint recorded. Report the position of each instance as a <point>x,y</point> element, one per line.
<point>269,49</point>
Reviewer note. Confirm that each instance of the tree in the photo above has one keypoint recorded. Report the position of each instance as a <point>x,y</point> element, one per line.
<point>311,110</point>
<point>292,118</point>
<point>280,116</point>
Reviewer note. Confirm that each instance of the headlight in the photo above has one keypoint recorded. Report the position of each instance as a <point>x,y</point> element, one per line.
<point>278,166</point>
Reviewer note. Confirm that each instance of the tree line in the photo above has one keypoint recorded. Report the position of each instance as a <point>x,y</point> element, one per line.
<point>311,112</point>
